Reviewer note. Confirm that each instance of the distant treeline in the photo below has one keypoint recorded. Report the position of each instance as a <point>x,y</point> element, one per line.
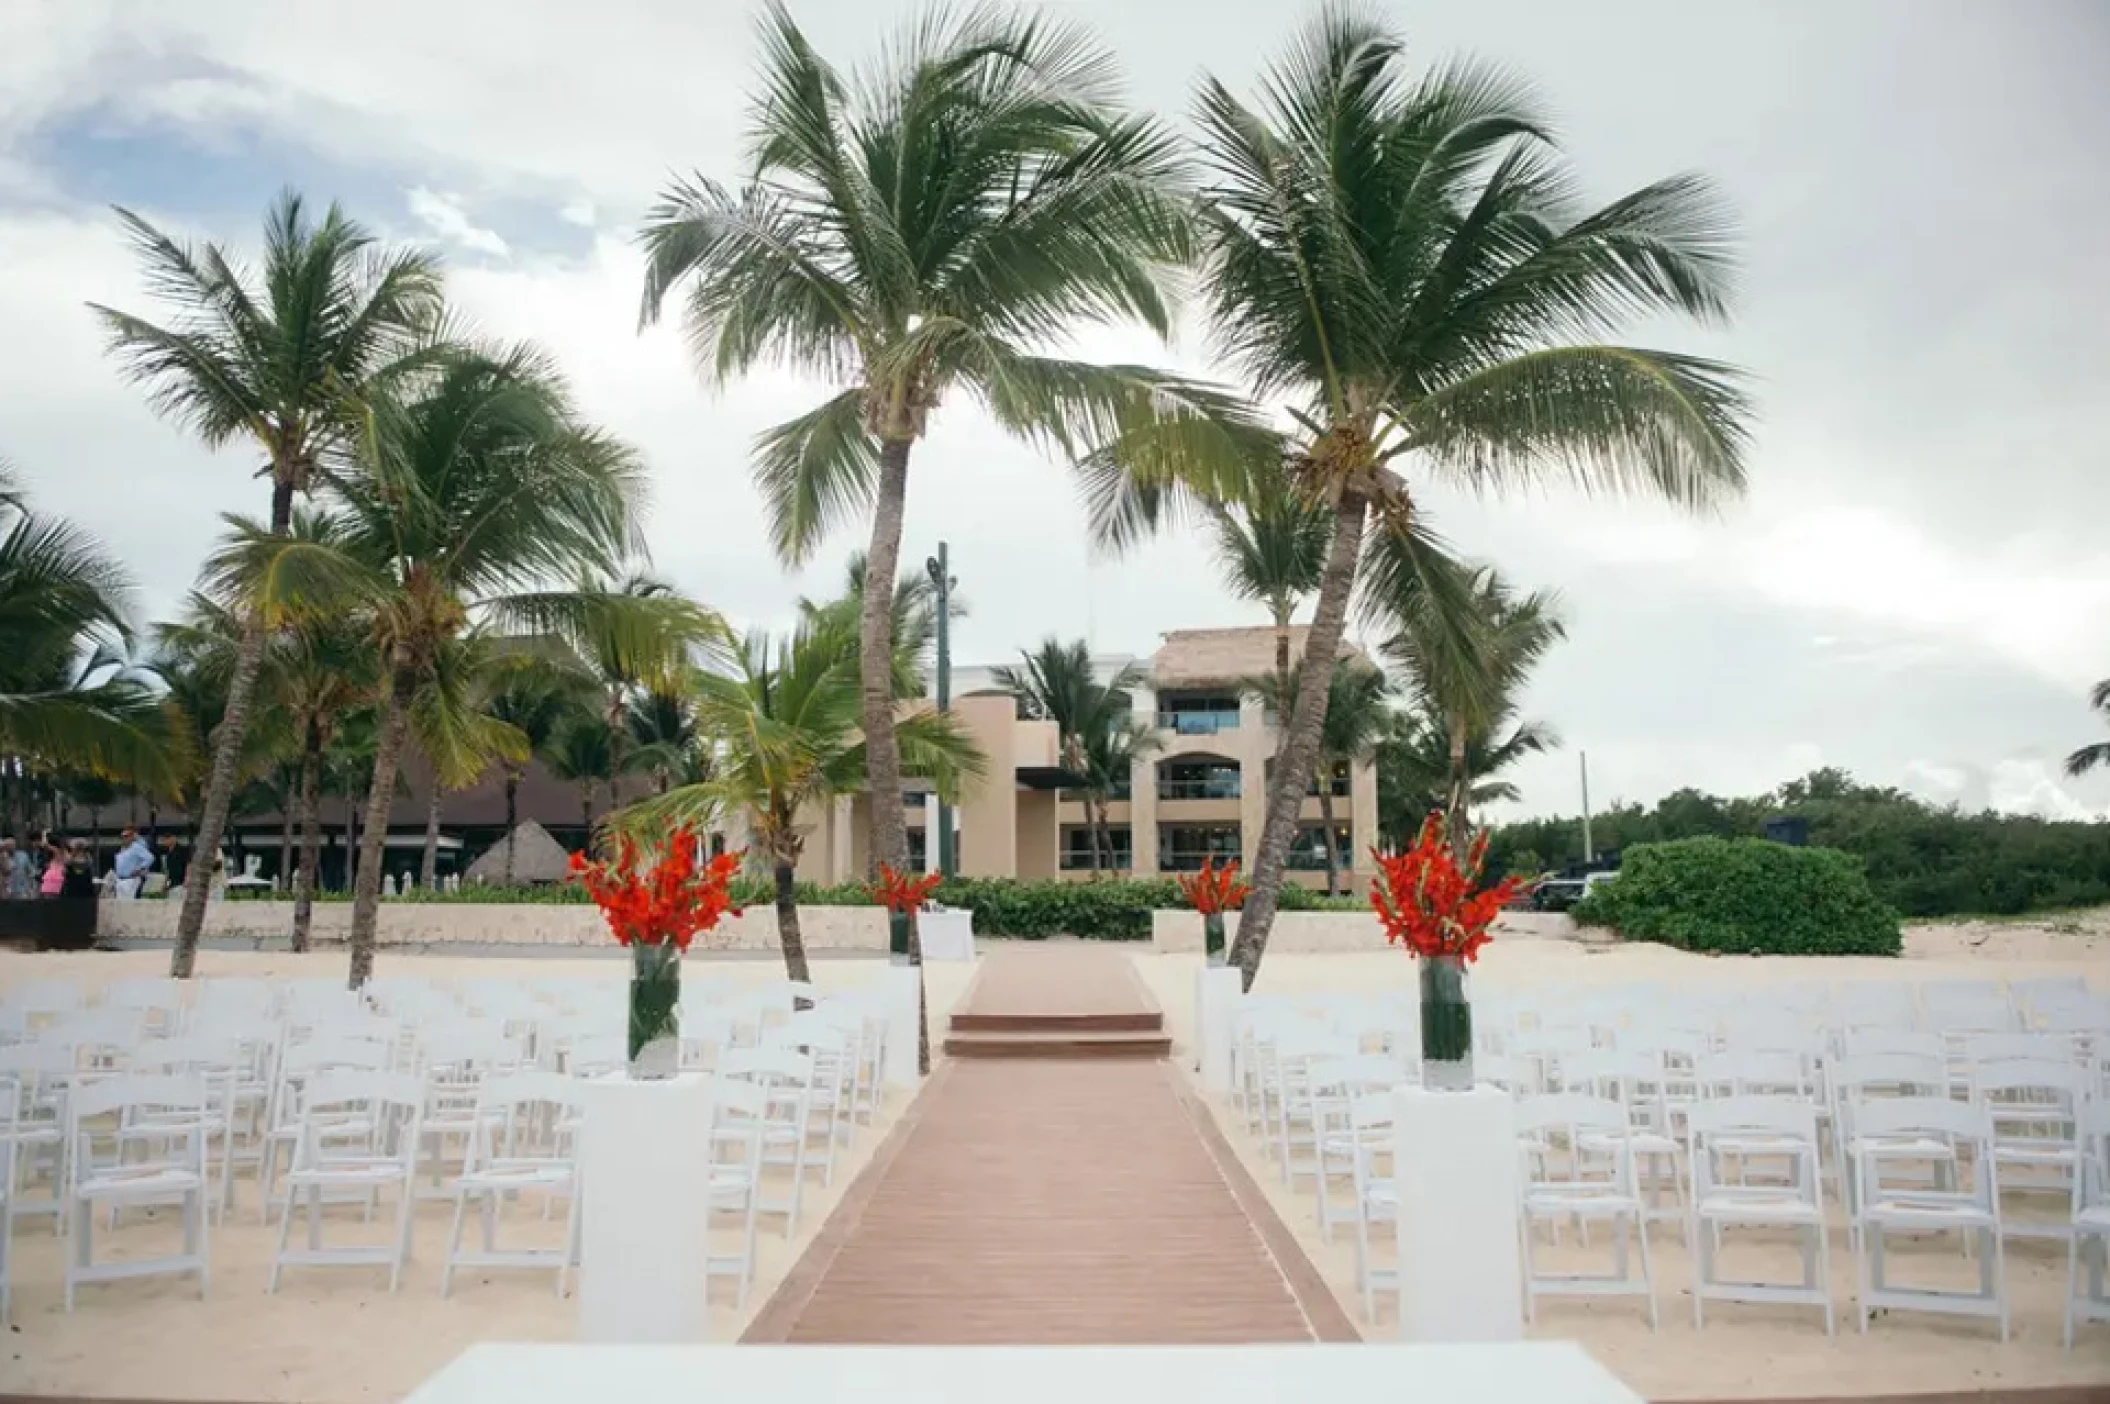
<point>1923,859</point>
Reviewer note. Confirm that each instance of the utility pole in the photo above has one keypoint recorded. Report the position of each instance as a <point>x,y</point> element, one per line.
<point>940,569</point>
<point>1589,852</point>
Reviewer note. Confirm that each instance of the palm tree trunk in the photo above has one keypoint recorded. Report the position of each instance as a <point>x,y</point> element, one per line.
<point>1333,860</point>
<point>366,891</point>
<point>788,923</point>
<point>285,835</point>
<point>1457,820</point>
<point>512,818</point>
<point>219,788</point>
<point>586,810</point>
<point>305,882</point>
<point>1282,617</point>
<point>875,664</point>
<point>1299,753</point>
<point>429,865</point>
<point>351,836</point>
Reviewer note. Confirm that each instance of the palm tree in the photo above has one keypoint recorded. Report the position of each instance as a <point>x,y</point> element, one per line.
<point>1358,716</point>
<point>69,698</point>
<point>1403,263</point>
<point>456,731</point>
<point>1413,762</point>
<point>1474,692</point>
<point>2089,757</point>
<point>1271,547</point>
<point>928,225</point>
<point>580,751</point>
<point>471,487</point>
<point>663,738</point>
<point>637,643</point>
<point>270,356</point>
<point>787,725</point>
<point>541,703</point>
<point>1095,722</point>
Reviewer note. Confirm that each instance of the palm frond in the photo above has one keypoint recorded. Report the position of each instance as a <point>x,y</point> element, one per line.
<point>816,472</point>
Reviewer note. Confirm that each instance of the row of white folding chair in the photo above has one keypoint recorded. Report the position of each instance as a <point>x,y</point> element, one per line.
<point>1578,1164</point>
<point>2088,1250</point>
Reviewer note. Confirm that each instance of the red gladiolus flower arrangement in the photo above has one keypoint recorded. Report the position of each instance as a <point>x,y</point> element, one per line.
<point>1427,900</point>
<point>1214,889</point>
<point>899,892</point>
<point>659,898</point>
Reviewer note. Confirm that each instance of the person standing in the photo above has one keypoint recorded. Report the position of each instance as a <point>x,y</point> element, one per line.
<point>175,861</point>
<point>133,860</point>
<point>77,880</point>
<point>18,871</point>
<point>54,879</point>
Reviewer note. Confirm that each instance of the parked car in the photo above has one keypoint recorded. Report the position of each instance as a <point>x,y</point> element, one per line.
<point>1555,893</point>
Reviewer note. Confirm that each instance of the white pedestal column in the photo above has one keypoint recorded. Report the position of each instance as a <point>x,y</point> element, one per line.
<point>903,1010</point>
<point>1217,992</point>
<point>644,1158</point>
<point>1455,1160</point>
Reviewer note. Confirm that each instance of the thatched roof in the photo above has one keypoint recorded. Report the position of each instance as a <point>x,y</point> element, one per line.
<point>536,858</point>
<point>1213,657</point>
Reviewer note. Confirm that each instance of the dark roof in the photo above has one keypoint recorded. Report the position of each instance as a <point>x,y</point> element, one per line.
<point>543,798</point>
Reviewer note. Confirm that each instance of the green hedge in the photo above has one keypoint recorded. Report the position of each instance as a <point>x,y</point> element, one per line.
<point>1744,897</point>
<point>1108,910</point>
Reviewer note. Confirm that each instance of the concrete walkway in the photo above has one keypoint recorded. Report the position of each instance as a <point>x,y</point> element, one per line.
<point>1028,1201</point>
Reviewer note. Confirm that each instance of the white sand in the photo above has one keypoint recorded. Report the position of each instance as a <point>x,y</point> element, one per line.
<point>336,1334</point>
<point>1744,1351</point>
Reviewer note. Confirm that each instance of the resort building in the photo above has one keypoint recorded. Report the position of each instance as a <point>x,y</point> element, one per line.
<point>1199,793</point>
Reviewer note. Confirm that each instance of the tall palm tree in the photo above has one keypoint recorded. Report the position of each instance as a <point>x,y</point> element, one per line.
<point>2088,758</point>
<point>1358,717</point>
<point>1473,695</point>
<point>637,642</point>
<point>786,720</point>
<point>472,488</point>
<point>1404,263</point>
<point>540,703</point>
<point>1095,722</point>
<point>455,729</point>
<point>663,737</point>
<point>269,356</point>
<point>1271,547</point>
<point>69,698</point>
<point>930,225</point>
<point>579,751</point>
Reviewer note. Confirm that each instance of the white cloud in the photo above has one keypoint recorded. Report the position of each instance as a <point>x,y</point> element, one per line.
<point>445,217</point>
<point>579,212</point>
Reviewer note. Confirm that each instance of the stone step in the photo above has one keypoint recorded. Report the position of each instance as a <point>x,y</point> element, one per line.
<point>1135,1021</point>
<point>1082,1043</point>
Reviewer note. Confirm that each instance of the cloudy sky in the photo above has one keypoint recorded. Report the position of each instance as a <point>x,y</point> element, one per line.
<point>1916,588</point>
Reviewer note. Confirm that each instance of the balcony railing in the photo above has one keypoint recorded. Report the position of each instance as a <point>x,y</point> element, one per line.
<point>1199,789</point>
<point>1198,723</point>
<point>1081,862</point>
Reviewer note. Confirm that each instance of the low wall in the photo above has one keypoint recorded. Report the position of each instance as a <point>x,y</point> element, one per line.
<point>1180,932</point>
<point>441,924</point>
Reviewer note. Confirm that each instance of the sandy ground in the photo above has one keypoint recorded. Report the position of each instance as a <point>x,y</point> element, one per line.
<point>1745,1350</point>
<point>334,1335</point>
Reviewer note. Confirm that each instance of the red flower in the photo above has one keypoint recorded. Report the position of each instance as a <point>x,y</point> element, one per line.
<point>898,892</point>
<point>663,897</point>
<point>1427,900</point>
<point>1214,889</point>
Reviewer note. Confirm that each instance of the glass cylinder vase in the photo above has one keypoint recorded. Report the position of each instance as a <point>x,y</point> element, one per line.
<point>1213,937</point>
<point>897,937</point>
<point>1446,1025</point>
<point>655,1011</point>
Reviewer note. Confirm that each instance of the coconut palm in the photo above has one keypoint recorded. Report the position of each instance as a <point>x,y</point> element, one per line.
<point>1095,722</point>
<point>270,356</point>
<point>1358,717</point>
<point>931,225</point>
<point>786,720</point>
<point>662,737</point>
<point>580,751</point>
<point>540,703</point>
<point>70,700</point>
<point>1271,547</point>
<point>1413,762</point>
<point>455,729</point>
<point>1474,692</point>
<point>471,488</point>
<point>1403,263</point>
<point>2088,758</point>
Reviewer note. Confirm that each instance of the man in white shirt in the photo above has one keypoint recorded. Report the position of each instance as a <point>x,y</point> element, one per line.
<point>133,861</point>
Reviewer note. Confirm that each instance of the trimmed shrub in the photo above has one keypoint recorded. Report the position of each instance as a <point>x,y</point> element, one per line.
<point>1744,897</point>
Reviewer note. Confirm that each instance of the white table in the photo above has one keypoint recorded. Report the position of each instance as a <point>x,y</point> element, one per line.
<point>1537,1372</point>
<point>946,935</point>
<point>644,1150</point>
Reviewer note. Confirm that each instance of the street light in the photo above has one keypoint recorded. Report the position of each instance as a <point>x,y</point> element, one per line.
<point>939,569</point>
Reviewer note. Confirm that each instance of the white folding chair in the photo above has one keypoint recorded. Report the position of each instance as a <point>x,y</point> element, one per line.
<point>520,1141</point>
<point>157,1000</point>
<point>739,1126</point>
<point>286,1117</point>
<point>220,1062</point>
<point>330,1159</point>
<point>2033,1106</point>
<point>169,1168</point>
<point>1372,1118</point>
<point>10,1116</point>
<point>2089,1245</point>
<point>39,1076</point>
<point>786,1077</point>
<point>1793,1199</point>
<point>1638,1080</point>
<point>1334,1084</point>
<point>1866,1078</point>
<point>1578,1164</point>
<point>1969,1205</point>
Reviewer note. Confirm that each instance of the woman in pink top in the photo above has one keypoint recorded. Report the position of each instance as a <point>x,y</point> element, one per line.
<point>54,875</point>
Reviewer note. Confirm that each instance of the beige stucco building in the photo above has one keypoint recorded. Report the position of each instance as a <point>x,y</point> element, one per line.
<point>1200,794</point>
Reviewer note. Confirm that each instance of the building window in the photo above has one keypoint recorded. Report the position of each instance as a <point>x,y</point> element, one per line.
<point>918,852</point>
<point>1341,779</point>
<point>1197,713</point>
<point>1308,852</point>
<point>1077,848</point>
<point>914,799</point>
<point>1183,848</point>
<point>1198,778</point>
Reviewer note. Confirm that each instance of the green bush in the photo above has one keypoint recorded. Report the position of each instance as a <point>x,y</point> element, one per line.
<point>1742,897</point>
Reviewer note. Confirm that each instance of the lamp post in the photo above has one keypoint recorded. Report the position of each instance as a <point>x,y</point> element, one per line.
<point>942,582</point>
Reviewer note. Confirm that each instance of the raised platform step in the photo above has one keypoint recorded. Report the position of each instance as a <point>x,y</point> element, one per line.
<point>1083,1043</point>
<point>1134,1021</point>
